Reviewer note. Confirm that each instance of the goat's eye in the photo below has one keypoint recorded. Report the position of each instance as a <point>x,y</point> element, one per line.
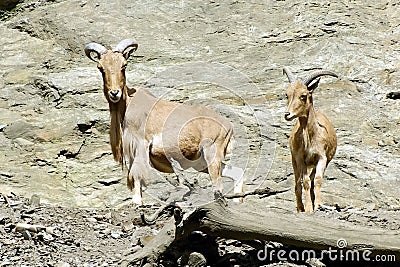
<point>287,97</point>
<point>100,67</point>
<point>123,66</point>
<point>303,97</point>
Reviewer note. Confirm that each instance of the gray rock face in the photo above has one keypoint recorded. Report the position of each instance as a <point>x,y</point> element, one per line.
<point>54,119</point>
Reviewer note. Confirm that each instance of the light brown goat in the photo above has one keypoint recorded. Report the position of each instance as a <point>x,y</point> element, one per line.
<point>146,131</point>
<point>312,141</point>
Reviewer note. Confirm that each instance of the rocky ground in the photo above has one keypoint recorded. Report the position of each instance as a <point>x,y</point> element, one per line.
<point>227,55</point>
<point>36,234</point>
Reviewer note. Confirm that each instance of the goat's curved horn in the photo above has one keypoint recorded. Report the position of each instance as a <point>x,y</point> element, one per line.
<point>126,47</point>
<point>289,74</point>
<point>96,48</point>
<point>316,75</point>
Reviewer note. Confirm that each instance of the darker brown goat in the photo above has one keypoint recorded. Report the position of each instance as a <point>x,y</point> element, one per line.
<point>312,141</point>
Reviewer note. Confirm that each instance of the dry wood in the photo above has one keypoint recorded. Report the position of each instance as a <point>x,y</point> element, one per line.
<point>249,221</point>
<point>149,220</point>
<point>262,192</point>
<point>252,221</point>
<point>152,250</point>
<point>170,207</point>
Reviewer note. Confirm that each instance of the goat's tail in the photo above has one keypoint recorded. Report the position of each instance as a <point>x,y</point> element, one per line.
<point>135,159</point>
<point>137,172</point>
<point>229,143</point>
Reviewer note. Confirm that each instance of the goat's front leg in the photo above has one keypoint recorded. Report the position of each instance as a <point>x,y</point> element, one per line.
<point>319,174</point>
<point>298,187</point>
<point>307,188</point>
<point>213,158</point>
<point>214,170</point>
<point>179,172</point>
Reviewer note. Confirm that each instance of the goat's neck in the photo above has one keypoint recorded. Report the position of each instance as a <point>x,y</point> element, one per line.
<point>309,124</point>
<point>117,113</point>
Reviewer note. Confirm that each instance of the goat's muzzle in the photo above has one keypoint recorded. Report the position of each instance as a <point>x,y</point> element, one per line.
<point>114,95</point>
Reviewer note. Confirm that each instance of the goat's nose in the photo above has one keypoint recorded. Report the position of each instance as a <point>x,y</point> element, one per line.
<point>114,93</point>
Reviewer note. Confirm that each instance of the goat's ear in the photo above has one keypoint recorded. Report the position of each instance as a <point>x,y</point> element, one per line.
<point>313,85</point>
<point>128,51</point>
<point>93,55</point>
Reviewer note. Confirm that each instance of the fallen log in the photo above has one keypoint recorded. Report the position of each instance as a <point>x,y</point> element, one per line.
<point>252,221</point>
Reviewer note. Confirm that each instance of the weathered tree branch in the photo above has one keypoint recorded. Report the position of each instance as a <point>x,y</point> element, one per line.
<point>249,221</point>
<point>152,250</point>
<point>252,221</point>
<point>262,192</point>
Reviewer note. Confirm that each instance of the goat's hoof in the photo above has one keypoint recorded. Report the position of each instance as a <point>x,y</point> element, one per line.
<point>137,201</point>
<point>309,211</point>
<point>219,197</point>
<point>300,209</point>
<point>238,200</point>
<point>188,185</point>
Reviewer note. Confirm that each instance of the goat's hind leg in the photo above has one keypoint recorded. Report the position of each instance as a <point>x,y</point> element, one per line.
<point>236,174</point>
<point>319,173</point>
<point>307,188</point>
